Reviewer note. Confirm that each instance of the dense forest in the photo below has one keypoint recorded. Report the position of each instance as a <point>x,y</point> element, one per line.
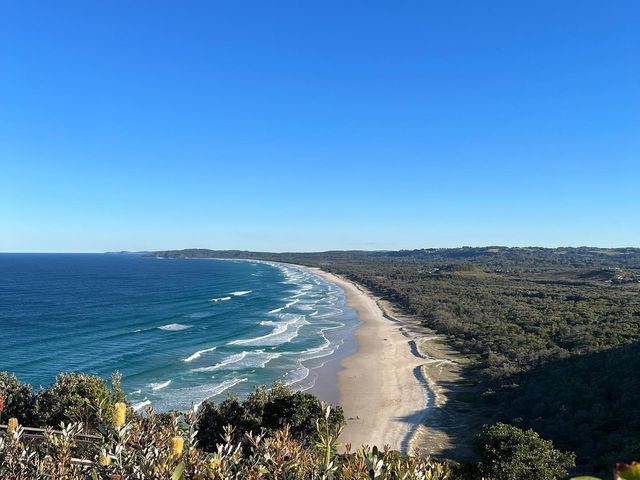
<point>555,332</point>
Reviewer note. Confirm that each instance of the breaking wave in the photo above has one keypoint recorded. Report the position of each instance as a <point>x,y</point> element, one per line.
<point>198,354</point>
<point>159,385</point>
<point>220,299</point>
<point>283,332</point>
<point>174,327</point>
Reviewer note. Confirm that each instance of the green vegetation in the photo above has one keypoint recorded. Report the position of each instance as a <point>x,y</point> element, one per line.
<point>556,335</point>
<point>18,399</point>
<point>555,331</point>
<point>267,410</point>
<point>508,453</point>
<point>72,398</point>
<point>588,404</point>
<point>281,434</point>
<point>273,434</point>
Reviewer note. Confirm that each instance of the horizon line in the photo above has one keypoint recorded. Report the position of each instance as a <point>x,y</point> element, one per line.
<point>89,252</point>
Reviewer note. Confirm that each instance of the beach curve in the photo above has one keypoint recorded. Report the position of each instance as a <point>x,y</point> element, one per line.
<point>381,386</point>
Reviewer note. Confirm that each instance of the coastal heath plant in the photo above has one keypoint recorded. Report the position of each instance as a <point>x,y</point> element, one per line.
<point>623,471</point>
<point>75,397</point>
<point>18,399</point>
<point>386,464</point>
<point>12,425</point>
<point>509,453</point>
<point>120,414</point>
<point>145,448</point>
<point>58,450</point>
<point>151,447</point>
<point>270,409</point>
<point>327,442</point>
<point>16,459</point>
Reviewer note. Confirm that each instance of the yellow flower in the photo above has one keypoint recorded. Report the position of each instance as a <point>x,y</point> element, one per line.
<point>120,416</point>
<point>215,463</point>
<point>12,424</point>
<point>104,460</point>
<point>628,471</point>
<point>177,444</point>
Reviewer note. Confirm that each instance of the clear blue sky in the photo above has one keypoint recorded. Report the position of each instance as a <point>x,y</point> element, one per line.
<point>298,125</point>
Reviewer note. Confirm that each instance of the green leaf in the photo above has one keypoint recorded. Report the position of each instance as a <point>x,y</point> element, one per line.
<point>177,473</point>
<point>628,471</point>
<point>584,478</point>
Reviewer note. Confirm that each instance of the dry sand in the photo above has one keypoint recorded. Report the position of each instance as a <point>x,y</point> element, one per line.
<point>448,426</point>
<point>381,386</point>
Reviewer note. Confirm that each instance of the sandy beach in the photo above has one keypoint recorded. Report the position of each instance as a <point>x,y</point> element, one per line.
<point>381,386</point>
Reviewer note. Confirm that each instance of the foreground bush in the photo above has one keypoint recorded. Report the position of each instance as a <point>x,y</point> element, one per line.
<point>268,409</point>
<point>509,453</point>
<point>74,397</point>
<point>18,400</point>
<point>145,448</point>
<point>277,434</point>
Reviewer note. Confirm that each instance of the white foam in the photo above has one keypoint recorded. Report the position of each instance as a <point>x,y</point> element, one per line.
<point>324,349</point>
<point>186,397</point>
<point>198,354</point>
<point>283,332</point>
<point>239,361</point>
<point>141,405</point>
<point>174,327</point>
<point>334,311</point>
<point>290,304</point>
<point>221,299</point>
<point>231,359</point>
<point>160,385</point>
<point>256,359</point>
<point>218,389</point>
<point>296,375</point>
<point>241,293</point>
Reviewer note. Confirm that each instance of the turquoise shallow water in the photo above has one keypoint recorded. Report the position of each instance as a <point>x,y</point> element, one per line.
<point>179,331</point>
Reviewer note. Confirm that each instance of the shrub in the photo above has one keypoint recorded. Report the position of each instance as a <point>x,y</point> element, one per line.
<point>264,409</point>
<point>76,398</point>
<point>145,449</point>
<point>509,453</point>
<point>19,400</point>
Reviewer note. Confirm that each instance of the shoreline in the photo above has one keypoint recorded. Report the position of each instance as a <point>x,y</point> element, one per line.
<point>382,386</point>
<point>399,383</point>
<point>323,376</point>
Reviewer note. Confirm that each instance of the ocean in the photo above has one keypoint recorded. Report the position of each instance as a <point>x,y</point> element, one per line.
<point>180,331</point>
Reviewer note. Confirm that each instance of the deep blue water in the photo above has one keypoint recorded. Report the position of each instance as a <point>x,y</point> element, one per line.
<point>179,331</point>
